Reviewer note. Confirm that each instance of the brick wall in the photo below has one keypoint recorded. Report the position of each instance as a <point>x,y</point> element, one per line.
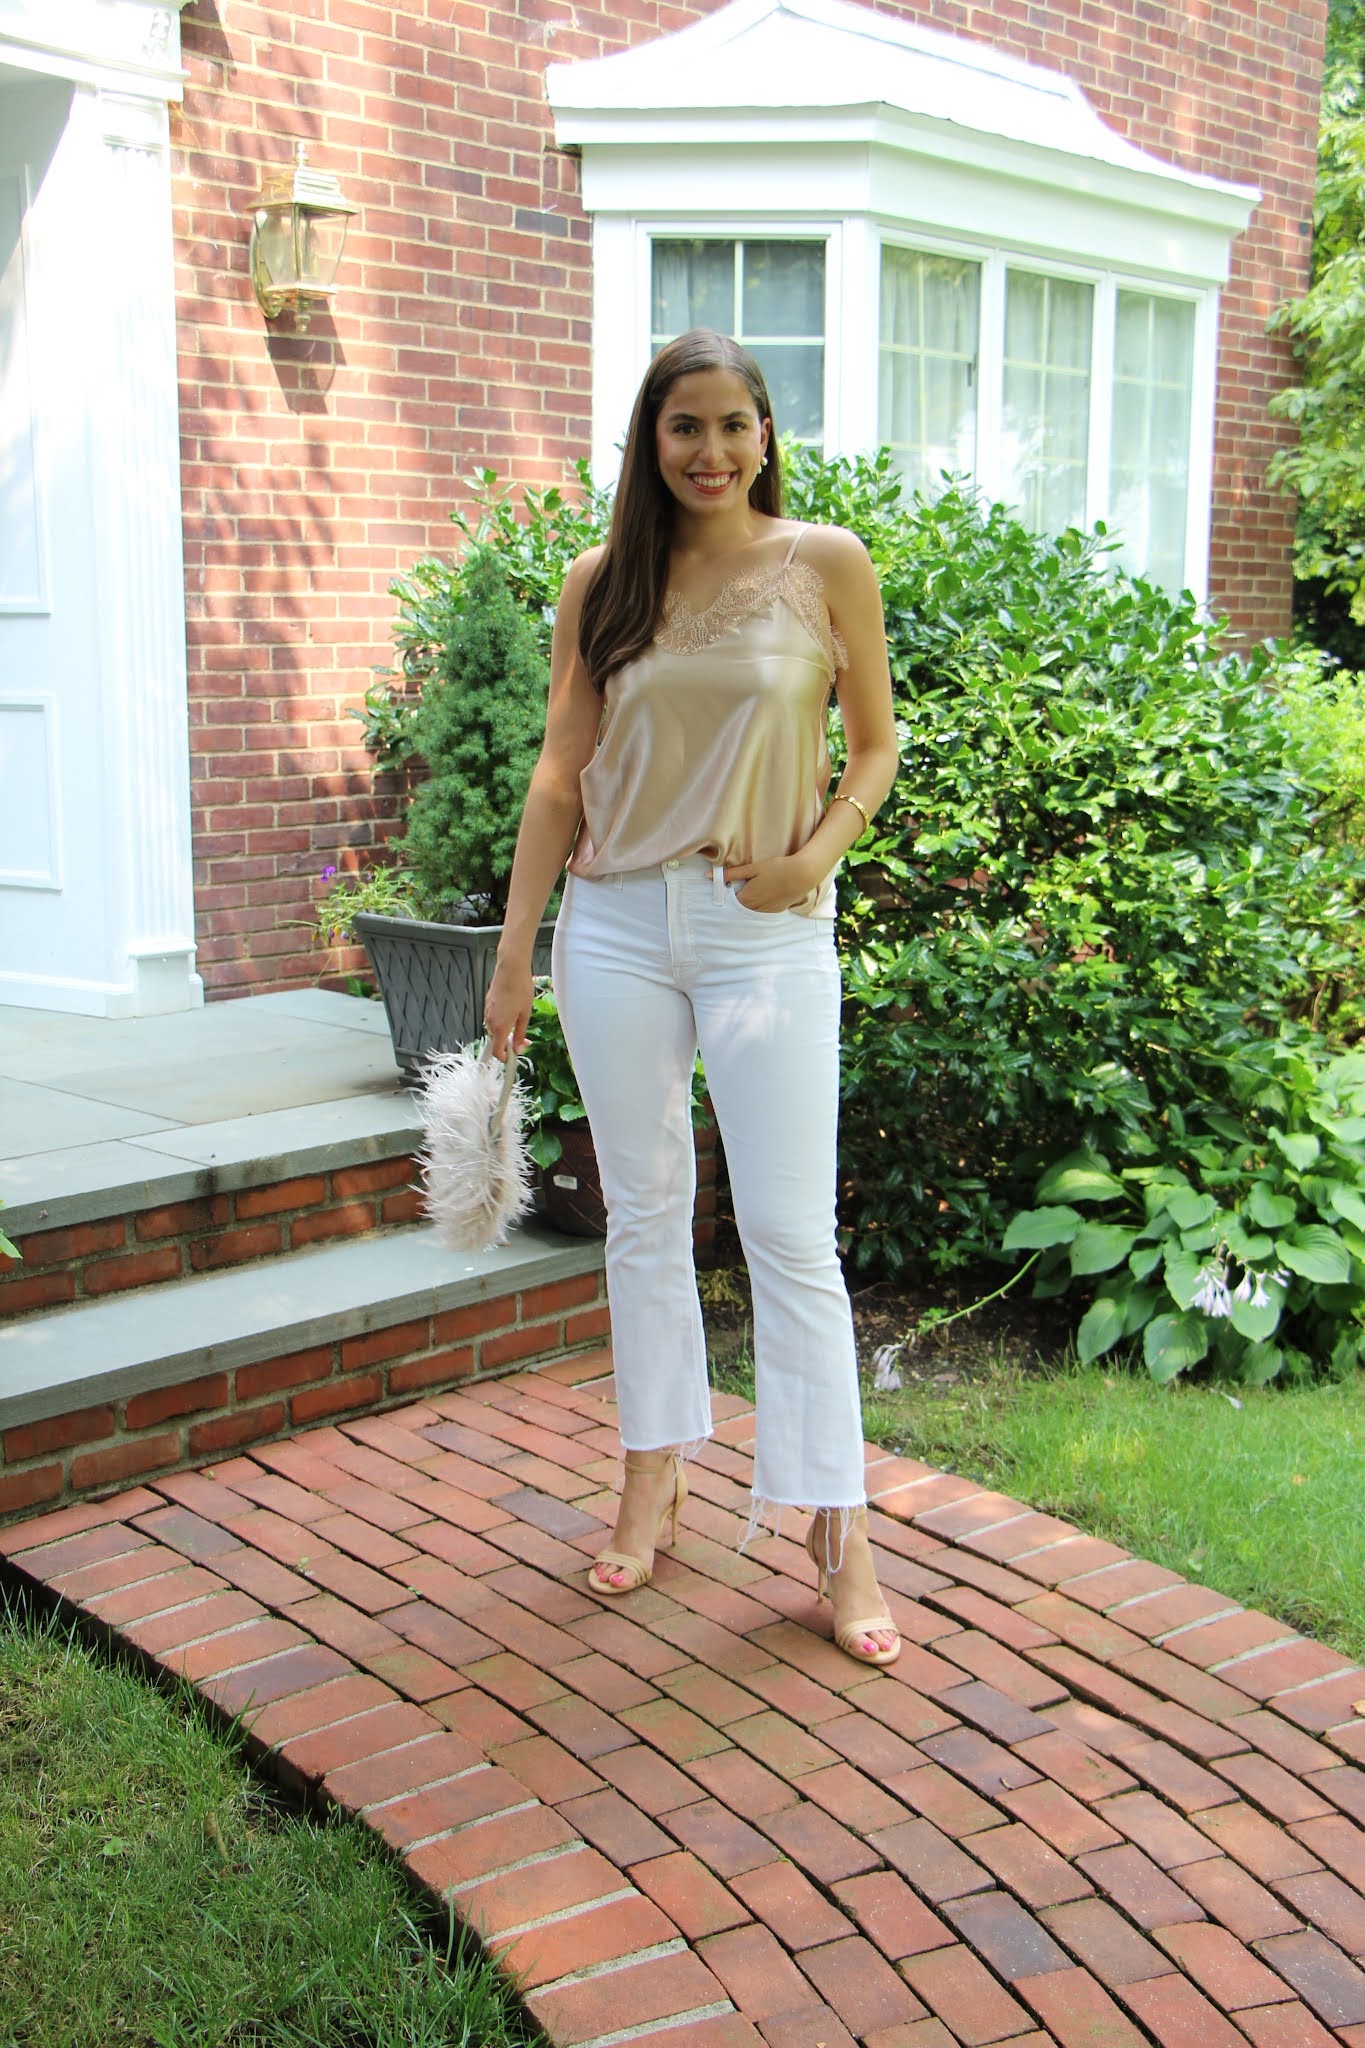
<point>112,1254</point>
<point>317,467</point>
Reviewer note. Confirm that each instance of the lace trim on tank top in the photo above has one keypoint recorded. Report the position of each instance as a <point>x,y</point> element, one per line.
<point>681,630</point>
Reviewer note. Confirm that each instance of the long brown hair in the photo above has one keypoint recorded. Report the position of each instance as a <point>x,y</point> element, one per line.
<point>622,604</point>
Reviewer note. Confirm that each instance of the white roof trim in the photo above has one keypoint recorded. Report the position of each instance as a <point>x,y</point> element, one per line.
<point>830,68</point>
<point>126,46</point>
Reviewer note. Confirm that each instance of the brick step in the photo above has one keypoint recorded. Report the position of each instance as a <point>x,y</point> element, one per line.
<point>355,1182</point>
<point>268,1185</point>
<point>162,1377</point>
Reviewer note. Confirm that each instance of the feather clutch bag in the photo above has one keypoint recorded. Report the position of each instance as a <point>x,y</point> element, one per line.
<point>473,1163</point>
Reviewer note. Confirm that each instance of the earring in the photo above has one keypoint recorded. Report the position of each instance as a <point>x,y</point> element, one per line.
<point>764,463</point>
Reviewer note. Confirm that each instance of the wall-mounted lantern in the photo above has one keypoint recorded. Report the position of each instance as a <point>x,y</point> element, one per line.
<point>298,231</point>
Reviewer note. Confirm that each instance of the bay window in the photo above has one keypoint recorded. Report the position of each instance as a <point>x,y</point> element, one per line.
<point>929,244</point>
<point>1069,397</point>
<point>1075,432</point>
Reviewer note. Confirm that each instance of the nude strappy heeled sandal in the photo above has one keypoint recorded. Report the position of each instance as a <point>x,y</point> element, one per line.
<point>852,1633</point>
<point>638,1571</point>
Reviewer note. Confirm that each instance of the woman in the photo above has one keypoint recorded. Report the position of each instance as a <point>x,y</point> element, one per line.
<point>684,777</point>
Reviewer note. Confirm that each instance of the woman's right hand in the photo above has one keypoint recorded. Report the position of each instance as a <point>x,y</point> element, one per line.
<point>507,1008</point>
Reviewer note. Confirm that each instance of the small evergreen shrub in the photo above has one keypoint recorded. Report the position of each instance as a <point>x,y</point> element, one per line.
<point>479,729</point>
<point>534,548</point>
<point>1324,719</point>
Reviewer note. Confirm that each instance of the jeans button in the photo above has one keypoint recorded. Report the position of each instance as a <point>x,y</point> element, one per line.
<point>672,863</point>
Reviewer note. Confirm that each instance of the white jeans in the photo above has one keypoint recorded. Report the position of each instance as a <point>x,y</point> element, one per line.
<point>646,967</point>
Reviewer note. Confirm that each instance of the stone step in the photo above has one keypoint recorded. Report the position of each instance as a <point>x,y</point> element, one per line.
<point>165,1376</point>
<point>134,1153</point>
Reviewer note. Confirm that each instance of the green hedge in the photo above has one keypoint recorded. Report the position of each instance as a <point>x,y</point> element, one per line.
<point>1098,876</point>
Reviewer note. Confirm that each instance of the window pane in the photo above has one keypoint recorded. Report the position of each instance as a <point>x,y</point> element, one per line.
<point>767,294</point>
<point>1132,339</point>
<point>694,286</point>
<point>1173,336</point>
<point>1025,318</point>
<point>951,301</point>
<point>795,376</point>
<point>1150,455</point>
<point>930,309</point>
<point>1046,416</point>
<point>784,289</point>
<point>1070,317</point>
<point>901,324</point>
<point>1132,427</point>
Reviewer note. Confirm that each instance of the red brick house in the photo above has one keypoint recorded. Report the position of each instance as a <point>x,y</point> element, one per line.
<point>1037,239</point>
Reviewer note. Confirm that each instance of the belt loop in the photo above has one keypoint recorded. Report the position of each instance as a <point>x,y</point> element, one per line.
<point>717,884</point>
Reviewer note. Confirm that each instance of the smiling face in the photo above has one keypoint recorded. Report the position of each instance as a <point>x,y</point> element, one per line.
<point>709,441</point>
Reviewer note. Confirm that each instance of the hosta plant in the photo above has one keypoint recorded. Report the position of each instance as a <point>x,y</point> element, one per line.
<point>1234,1236</point>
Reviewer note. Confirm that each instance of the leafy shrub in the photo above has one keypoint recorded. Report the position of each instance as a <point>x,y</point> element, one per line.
<point>537,544</point>
<point>1323,464</point>
<point>1324,721</point>
<point>554,1096</point>
<point>1236,1234</point>
<point>1099,868</point>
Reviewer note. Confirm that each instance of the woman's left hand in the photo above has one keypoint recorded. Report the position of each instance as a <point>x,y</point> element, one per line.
<point>772,885</point>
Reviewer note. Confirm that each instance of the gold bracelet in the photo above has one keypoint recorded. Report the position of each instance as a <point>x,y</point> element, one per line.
<point>842,796</point>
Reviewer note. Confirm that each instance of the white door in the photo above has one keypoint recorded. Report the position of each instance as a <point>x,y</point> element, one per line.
<point>50,797</point>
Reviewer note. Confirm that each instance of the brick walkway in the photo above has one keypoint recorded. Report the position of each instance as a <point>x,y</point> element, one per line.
<point>1091,1805</point>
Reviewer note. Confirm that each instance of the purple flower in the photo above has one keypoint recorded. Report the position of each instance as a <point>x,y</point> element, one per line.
<point>328,873</point>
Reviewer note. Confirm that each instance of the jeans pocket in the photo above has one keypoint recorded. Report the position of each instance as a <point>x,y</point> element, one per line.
<point>747,909</point>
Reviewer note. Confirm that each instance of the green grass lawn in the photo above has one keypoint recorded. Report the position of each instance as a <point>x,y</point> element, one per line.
<point>153,1895</point>
<point>1262,1501</point>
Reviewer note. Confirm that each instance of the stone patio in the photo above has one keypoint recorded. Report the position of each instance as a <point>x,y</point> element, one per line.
<point>1091,1805</point>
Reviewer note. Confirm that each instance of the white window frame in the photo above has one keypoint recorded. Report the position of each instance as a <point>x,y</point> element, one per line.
<point>995,261</point>
<point>623,276</point>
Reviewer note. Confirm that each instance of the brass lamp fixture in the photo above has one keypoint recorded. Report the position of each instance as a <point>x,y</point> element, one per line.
<point>298,231</point>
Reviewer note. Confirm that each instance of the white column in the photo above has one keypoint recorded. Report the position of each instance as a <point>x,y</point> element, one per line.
<point>139,559</point>
<point>1203,416</point>
<point>854,328</point>
<point>620,335</point>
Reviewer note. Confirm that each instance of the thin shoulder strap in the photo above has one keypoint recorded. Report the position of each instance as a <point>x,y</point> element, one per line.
<point>791,551</point>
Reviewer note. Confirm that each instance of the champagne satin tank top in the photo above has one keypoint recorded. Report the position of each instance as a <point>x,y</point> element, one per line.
<point>713,739</point>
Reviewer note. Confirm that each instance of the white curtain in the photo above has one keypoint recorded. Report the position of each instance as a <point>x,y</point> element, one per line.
<point>1045,418</point>
<point>1150,449</point>
<point>930,321</point>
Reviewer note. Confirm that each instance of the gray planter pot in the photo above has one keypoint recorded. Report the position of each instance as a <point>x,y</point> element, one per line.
<point>433,979</point>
